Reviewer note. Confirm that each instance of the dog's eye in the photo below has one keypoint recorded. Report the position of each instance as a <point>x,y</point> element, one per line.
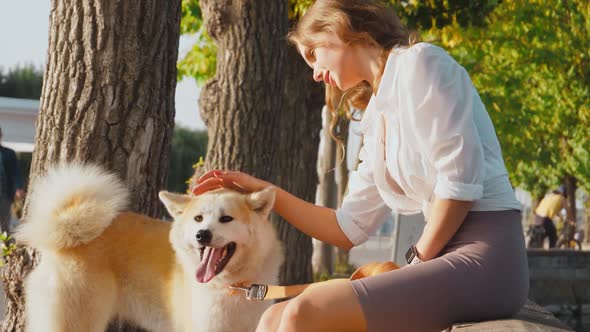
<point>199,218</point>
<point>225,219</point>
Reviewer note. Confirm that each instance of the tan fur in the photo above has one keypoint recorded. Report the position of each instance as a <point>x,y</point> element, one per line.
<point>138,268</point>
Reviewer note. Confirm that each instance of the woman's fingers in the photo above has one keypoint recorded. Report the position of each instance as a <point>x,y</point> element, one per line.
<point>207,185</point>
<point>209,174</point>
<point>216,179</point>
<point>236,186</point>
<point>222,181</point>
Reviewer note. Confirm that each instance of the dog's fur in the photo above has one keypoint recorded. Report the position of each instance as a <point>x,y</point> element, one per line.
<point>98,263</point>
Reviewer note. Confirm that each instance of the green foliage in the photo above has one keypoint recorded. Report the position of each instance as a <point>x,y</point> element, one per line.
<point>425,15</point>
<point>188,147</point>
<point>341,270</point>
<point>297,8</point>
<point>21,82</point>
<point>530,65</point>
<point>7,246</point>
<point>192,17</point>
<point>321,276</point>
<point>343,267</point>
<point>201,60</point>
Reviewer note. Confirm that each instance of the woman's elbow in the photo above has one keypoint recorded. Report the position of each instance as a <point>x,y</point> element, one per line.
<point>345,245</point>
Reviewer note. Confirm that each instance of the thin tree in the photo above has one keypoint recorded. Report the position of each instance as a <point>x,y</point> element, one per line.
<point>326,194</point>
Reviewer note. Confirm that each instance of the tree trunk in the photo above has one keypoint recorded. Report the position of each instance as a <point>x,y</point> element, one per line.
<point>327,192</point>
<point>241,104</point>
<point>108,98</point>
<point>587,219</point>
<point>261,110</point>
<point>300,125</point>
<point>571,186</point>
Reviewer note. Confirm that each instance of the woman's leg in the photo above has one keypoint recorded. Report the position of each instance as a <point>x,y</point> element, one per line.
<point>271,318</point>
<point>483,274</point>
<point>327,306</point>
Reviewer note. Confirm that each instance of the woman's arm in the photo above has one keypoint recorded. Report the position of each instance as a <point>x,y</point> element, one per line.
<point>316,221</point>
<point>446,216</point>
<point>449,123</point>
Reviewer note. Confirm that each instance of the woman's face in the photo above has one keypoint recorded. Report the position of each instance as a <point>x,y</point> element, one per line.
<point>332,61</point>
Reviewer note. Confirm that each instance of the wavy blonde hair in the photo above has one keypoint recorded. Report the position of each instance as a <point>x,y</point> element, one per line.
<point>355,22</point>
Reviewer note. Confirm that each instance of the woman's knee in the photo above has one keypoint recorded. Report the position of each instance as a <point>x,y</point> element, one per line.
<point>296,313</point>
<point>270,319</point>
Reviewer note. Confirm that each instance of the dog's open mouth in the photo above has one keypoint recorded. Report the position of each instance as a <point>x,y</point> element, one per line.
<point>213,260</point>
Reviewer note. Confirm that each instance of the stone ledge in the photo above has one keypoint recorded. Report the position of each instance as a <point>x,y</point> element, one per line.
<point>530,318</point>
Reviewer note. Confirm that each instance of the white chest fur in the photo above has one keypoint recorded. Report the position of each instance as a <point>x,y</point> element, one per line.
<point>214,310</point>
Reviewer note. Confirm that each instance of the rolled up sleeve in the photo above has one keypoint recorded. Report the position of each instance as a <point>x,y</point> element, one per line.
<point>363,210</point>
<point>441,105</point>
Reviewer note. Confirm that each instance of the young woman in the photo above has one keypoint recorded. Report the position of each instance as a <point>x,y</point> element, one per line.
<point>429,146</point>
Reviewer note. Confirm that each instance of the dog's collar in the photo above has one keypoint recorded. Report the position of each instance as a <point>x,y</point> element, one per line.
<point>271,292</point>
<point>235,288</point>
<point>258,292</point>
<point>253,292</point>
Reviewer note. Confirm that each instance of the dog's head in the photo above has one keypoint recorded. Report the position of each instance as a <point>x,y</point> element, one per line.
<point>217,234</point>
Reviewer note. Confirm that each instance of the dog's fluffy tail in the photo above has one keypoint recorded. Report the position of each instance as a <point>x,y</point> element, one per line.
<point>71,205</point>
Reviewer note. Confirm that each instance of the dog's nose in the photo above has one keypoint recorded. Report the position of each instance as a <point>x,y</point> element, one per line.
<point>204,236</point>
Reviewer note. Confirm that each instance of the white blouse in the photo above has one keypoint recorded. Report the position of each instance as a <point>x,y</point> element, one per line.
<point>426,133</point>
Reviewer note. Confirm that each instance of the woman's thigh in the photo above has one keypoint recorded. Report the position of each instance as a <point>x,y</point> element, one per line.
<point>326,306</point>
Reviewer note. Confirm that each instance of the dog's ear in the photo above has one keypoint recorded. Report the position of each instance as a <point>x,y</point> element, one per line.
<point>262,201</point>
<point>175,203</point>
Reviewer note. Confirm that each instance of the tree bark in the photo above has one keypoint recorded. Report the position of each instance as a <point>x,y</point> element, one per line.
<point>241,104</point>
<point>571,186</point>
<point>300,125</point>
<point>587,220</point>
<point>108,98</point>
<point>327,192</point>
<point>262,111</point>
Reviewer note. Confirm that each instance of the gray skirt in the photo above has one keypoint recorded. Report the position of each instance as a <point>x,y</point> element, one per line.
<point>481,274</point>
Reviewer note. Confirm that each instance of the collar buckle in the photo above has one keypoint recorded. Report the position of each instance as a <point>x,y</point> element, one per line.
<point>254,292</point>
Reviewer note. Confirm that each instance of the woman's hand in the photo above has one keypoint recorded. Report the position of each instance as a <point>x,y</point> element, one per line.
<point>316,221</point>
<point>238,181</point>
<point>446,216</point>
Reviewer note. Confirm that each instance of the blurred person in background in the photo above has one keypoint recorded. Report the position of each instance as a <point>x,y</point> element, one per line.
<point>11,185</point>
<point>548,208</point>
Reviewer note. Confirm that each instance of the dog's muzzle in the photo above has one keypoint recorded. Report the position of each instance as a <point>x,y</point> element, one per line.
<point>204,236</point>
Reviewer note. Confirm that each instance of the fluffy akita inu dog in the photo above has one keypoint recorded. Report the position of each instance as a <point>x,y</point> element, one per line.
<point>98,263</point>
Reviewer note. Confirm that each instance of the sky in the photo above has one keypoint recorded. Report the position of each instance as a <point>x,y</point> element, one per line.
<point>24,33</point>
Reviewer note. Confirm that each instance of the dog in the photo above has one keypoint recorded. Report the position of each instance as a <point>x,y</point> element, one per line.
<point>99,263</point>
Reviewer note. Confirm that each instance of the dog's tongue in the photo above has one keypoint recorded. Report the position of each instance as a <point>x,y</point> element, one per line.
<point>206,269</point>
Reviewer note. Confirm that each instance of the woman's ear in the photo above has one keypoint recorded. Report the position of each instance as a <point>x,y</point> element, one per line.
<point>262,201</point>
<point>175,203</point>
